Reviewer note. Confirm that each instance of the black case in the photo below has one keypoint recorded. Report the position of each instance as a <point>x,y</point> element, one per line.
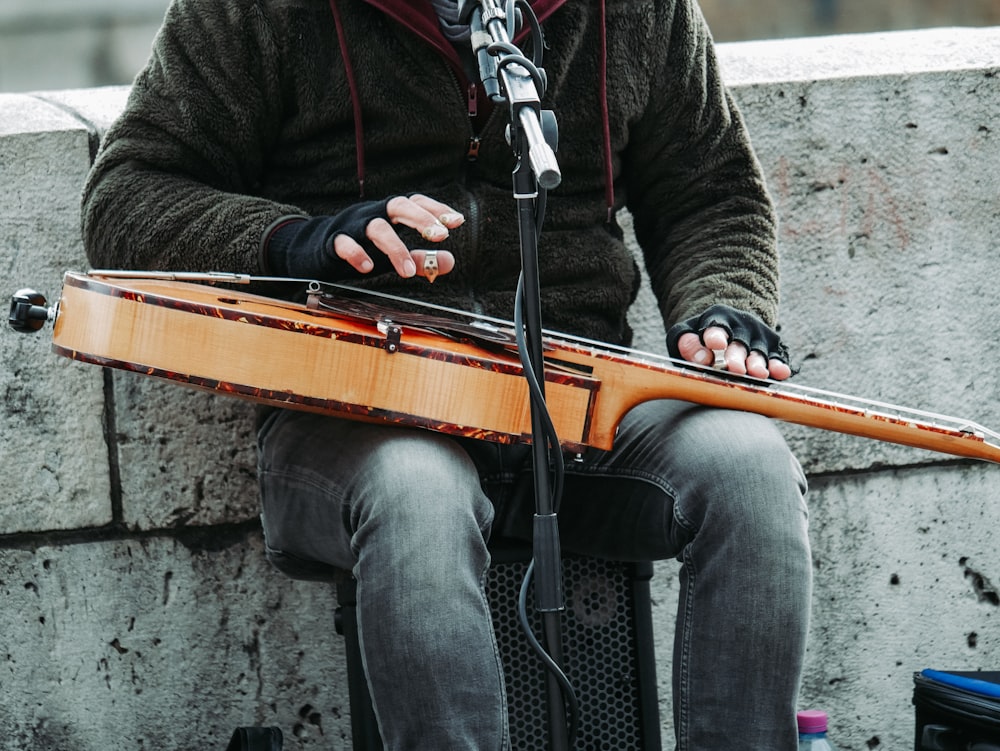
<point>957,711</point>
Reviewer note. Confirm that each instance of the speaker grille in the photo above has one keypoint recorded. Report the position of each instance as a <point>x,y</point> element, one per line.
<point>602,658</point>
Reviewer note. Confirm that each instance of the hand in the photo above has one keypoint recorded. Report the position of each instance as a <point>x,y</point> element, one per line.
<point>430,218</point>
<point>359,240</point>
<point>747,344</point>
<point>701,350</point>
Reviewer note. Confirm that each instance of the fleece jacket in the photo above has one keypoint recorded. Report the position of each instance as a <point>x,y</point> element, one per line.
<point>250,110</point>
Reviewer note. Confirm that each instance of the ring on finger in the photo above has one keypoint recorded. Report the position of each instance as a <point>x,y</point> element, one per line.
<point>431,265</point>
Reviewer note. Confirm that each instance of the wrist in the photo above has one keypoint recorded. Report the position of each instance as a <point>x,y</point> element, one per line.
<point>275,241</point>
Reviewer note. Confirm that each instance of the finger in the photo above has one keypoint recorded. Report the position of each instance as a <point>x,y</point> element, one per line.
<point>385,239</point>
<point>691,349</point>
<point>715,337</point>
<point>425,216</point>
<point>348,249</point>
<point>757,365</point>
<point>779,369</point>
<point>448,216</point>
<point>445,261</point>
<point>736,358</point>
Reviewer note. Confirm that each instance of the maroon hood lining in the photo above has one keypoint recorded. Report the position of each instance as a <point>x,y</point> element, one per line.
<point>419,17</point>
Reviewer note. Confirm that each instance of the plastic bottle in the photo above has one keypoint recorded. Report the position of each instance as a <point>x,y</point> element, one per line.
<point>812,731</point>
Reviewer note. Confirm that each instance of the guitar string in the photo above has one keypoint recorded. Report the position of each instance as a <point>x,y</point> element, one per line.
<point>865,407</point>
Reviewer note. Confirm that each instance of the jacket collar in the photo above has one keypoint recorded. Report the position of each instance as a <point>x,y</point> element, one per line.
<point>419,17</point>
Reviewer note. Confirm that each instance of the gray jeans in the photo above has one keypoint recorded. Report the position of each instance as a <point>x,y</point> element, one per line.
<point>410,512</point>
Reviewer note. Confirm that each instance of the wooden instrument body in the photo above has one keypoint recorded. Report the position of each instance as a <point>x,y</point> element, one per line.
<point>296,356</point>
<point>288,355</point>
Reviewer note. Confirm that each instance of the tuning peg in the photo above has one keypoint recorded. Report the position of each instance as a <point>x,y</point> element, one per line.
<point>28,312</point>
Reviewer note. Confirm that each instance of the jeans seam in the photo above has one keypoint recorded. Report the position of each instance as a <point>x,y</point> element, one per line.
<point>659,482</point>
<point>683,693</point>
<point>308,479</point>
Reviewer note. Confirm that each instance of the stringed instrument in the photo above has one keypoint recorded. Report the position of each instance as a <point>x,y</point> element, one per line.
<point>350,354</point>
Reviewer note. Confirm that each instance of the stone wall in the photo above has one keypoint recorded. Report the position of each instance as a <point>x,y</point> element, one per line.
<point>138,611</point>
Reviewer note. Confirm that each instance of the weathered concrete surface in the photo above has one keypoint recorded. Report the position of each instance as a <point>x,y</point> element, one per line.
<point>889,197</point>
<point>187,457</point>
<point>50,408</point>
<point>905,565</point>
<point>163,643</point>
<point>882,154</point>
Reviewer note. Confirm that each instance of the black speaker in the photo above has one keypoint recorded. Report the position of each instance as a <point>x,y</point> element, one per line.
<point>608,656</point>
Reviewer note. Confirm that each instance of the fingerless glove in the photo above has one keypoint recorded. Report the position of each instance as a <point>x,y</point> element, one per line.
<point>301,247</point>
<point>742,327</point>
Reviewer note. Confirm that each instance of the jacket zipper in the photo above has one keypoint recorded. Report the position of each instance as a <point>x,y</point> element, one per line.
<point>472,102</point>
<point>471,96</point>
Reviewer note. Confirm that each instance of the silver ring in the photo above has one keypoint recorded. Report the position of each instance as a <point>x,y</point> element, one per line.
<point>431,265</point>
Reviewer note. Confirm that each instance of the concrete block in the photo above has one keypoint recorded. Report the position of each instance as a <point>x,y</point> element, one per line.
<point>97,108</point>
<point>187,457</point>
<point>906,578</point>
<point>161,643</point>
<point>886,186</point>
<point>53,459</point>
<point>858,56</point>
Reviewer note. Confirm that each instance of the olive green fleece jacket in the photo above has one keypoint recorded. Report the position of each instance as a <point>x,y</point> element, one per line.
<point>244,115</point>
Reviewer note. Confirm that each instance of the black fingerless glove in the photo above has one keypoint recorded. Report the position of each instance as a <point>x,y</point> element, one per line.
<point>301,247</point>
<point>742,327</point>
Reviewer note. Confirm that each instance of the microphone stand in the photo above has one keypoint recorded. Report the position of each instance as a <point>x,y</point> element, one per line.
<point>532,133</point>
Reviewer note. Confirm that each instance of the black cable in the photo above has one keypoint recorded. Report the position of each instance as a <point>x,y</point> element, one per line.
<point>537,37</point>
<point>538,399</point>
<point>513,56</point>
<point>508,53</point>
<point>569,693</point>
<point>572,704</point>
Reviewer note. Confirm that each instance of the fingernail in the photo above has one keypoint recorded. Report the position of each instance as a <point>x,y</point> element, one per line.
<point>435,232</point>
<point>409,268</point>
<point>366,266</point>
<point>452,217</point>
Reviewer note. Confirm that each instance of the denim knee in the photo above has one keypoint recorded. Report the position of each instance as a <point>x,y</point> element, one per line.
<point>328,485</point>
<point>422,489</point>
